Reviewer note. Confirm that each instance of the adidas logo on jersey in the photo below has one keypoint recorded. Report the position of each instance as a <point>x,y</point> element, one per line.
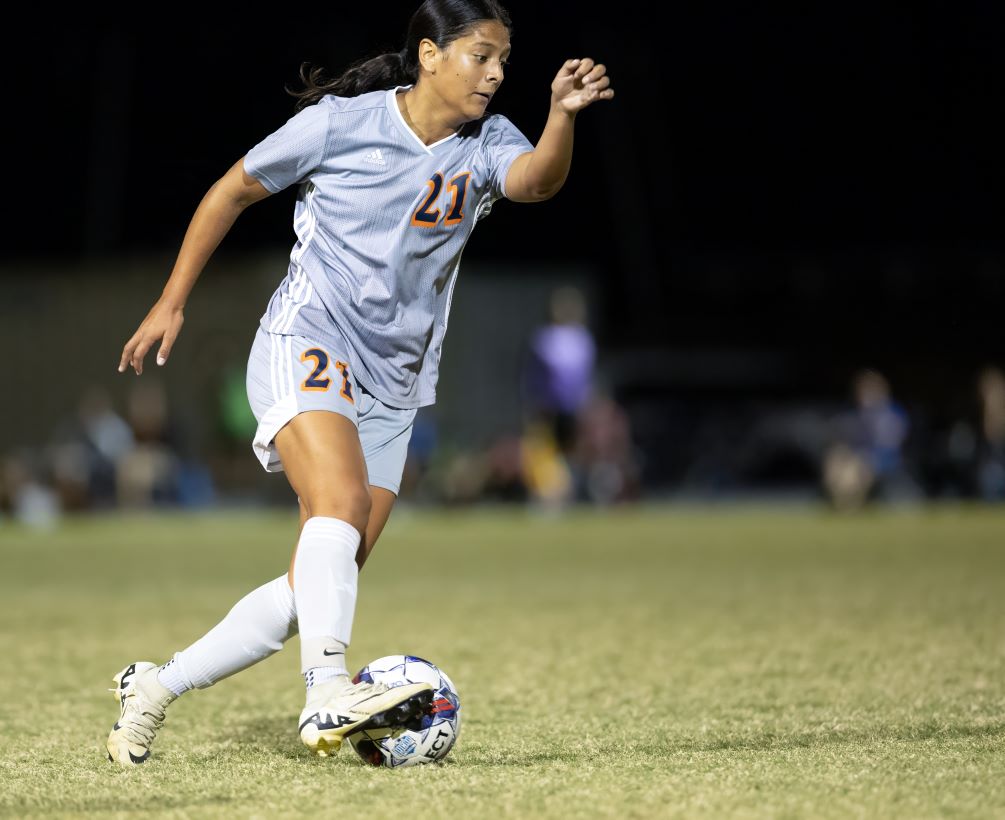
<point>375,157</point>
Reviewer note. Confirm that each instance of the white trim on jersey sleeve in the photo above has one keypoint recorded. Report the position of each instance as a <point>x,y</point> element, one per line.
<point>505,171</point>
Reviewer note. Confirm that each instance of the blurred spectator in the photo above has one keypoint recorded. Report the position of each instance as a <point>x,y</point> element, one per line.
<point>544,467</point>
<point>847,477</point>
<point>419,460</point>
<point>605,462</point>
<point>504,478</point>
<point>557,383</point>
<point>866,462</point>
<point>558,374</point>
<point>991,449</point>
<point>463,477</point>
<point>86,451</point>
<point>150,472</point>
<point>25,495</point>
<point>949,460</point>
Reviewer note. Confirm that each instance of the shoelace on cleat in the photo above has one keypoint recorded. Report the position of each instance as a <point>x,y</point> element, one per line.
<point>366,688</point>
<point>141,720</point>
<point>357,693</point>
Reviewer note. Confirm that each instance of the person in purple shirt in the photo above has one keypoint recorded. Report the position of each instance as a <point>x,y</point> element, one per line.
<point>558,378</point>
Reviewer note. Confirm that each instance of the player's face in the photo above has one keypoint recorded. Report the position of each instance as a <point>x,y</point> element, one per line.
<point>471,68</point>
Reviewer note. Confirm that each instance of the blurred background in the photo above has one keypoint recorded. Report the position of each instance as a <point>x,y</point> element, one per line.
<point>776,271</point>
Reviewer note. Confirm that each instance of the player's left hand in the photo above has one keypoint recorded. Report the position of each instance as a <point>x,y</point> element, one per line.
<point>579,83</point>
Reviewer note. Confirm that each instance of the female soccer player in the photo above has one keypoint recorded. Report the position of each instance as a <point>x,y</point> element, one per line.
<point>395,161</point>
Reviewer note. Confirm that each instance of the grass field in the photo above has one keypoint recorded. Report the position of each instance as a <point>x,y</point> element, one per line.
<point>631,663</point>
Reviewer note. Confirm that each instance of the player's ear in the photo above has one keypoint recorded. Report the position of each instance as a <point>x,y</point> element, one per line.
<point>428,54</point>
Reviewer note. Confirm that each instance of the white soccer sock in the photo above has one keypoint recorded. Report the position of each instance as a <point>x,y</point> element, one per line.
<point>324,582</point>
<point>323,674</point>
<point>255,628</point>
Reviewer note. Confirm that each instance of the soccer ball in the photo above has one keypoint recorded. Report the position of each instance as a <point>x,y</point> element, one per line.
<point>426,739</point>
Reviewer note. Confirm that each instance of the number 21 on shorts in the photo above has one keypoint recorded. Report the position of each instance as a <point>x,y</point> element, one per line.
<point>317,380</point>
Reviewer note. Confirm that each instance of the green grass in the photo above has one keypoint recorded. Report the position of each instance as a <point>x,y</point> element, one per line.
<point>624,663</point>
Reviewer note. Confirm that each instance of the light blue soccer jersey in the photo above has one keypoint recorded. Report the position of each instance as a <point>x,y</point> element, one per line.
<point>381,222</point>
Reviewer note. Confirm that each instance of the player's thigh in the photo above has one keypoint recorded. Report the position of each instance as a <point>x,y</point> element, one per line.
<point>323,460</point>
<point>288,375</point>
<point>300,393</point>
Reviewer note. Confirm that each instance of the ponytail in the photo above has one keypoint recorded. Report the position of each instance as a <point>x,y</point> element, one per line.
<point>373,74</point>
<point>441,21</point>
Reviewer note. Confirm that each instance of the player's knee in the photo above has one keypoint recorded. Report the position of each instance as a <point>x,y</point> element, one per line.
<point>350,504</point>
<point>360,503</point>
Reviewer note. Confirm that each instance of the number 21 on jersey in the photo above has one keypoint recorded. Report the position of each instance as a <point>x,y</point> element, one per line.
<point>426,216</point>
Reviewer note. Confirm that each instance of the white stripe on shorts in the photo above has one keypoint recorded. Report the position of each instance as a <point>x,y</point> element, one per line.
<point>273,366</point>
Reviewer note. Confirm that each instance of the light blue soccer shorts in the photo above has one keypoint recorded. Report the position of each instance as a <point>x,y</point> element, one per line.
<point>288,375</point>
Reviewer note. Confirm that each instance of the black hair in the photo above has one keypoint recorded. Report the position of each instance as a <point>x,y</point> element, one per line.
<point>441,21</point>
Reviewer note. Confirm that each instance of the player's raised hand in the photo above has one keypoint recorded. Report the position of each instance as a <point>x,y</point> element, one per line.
<point>579,83</point>
<point>163,323</point>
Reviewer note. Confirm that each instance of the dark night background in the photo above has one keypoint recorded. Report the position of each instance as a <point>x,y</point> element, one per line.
<point>774,198</point>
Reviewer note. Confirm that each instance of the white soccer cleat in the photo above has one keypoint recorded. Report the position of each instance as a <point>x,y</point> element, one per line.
<point>143,699</point>
<point>338,710</point>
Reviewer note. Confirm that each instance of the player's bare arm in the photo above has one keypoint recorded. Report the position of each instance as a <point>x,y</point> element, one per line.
<point>214,217</point>
<point>541,173</point>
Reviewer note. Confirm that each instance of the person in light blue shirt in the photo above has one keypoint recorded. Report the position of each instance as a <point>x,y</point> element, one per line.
<point>394,163</point>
